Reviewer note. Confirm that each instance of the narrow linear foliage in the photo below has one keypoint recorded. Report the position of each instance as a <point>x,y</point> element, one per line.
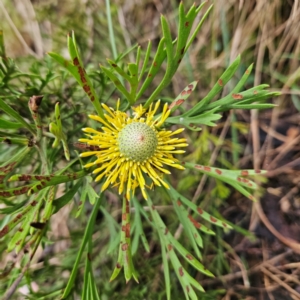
<point>135,148</point>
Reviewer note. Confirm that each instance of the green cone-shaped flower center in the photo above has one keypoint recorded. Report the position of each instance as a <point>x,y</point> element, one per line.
<point>137,141</point>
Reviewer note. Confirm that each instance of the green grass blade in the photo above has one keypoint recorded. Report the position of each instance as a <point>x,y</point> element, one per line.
<point>2,47</point>
<point>111,29</point>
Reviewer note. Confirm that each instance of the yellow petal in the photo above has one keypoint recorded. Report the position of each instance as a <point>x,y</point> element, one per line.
<point>180,167</point>
<point>123,172</point>
<point>88,153</point>
<point>89,165</point>
<point>164,184</point>
<point>90,130</point>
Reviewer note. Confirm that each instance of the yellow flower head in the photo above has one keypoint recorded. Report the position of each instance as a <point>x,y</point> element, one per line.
<point>132,148</point>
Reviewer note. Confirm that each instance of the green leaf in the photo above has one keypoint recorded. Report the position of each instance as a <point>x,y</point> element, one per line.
<point>114,238</point>
<point>81,202</point>
<point>158,59</point>
<point>17,241</point>
<point>87,234</point>
<point>117,84</point>
<point>200,23</point>
<point>67,197</point>
<point>66,64</point>
<point>11,207</point>
<point>2,47</point>
<point>92,195</point>
<point>235,178</point>
<point>137,228</point>
<point>198,210</point>
<point>21,141</point>
<point>170,242</point>
<point>125,254</point>
<point>190,229</point>
<point>243,80</point>
<point>53,128</point>
<point>4,124</point>
<point>194,283</point>
<point>166,270</point>
<point>168,42</point>
<point>185,93</point>
<point>225,77</point>
<point>11,112</point>
<point>146,60</point>
<point>119,70</point>
<point>26,216</point>
<point>206,118</point>
<point>9,165</point>
<point>252,106</point>
<point>255,94</point>
<point>57,130</point>
<point>78,72</point>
